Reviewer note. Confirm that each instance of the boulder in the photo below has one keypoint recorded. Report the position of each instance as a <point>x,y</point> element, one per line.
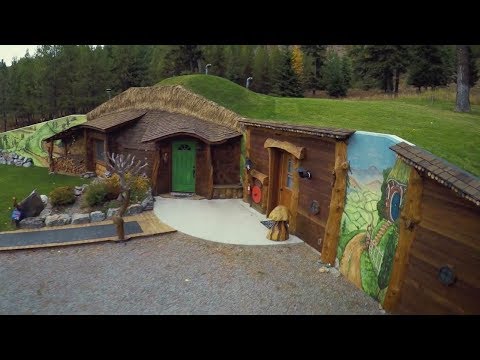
<point>45,212</point>
<point>96,216</point>
<point>3,161</point>
<point>147,204</point>
<point>84,187</point>
<point>80,218</point>
<point>134,209</point>
<point>58,220</point>
<point>27,164</point>
<point>112,212</point>
<point>44,199</point>
<point>32,223</point>
<point>32,205</point>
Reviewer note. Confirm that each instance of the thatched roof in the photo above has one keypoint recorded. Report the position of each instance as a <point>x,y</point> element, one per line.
<point>460,181</point>
<point>163,124</point>
<point>113,121</point>
<point>169,98</point>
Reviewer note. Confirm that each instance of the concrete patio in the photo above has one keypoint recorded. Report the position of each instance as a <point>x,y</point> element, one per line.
<point>228,221</point>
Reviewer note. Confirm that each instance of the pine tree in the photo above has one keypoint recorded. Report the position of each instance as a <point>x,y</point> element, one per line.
<point>337,74</point>
<point>317,55</point>
<point>431,66</point>
<point>234,66</point>
<point>286,81</point>
<point>261,71</point>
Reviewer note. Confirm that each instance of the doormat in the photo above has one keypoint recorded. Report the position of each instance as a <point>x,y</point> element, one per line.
<point>181,195</point>
<point>268,223</point>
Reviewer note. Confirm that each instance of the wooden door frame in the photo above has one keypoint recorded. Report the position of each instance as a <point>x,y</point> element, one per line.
<point>275,148</point>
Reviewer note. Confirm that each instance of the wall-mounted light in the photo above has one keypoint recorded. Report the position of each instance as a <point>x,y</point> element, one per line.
<point>304,174</point>
<point>248,164</point>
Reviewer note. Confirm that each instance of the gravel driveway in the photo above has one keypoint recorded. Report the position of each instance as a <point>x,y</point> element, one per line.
<point>174,274</point>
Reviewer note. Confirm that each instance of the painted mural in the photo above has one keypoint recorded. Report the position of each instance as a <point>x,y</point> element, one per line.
<point>376,186</point>
<point>27,141</point>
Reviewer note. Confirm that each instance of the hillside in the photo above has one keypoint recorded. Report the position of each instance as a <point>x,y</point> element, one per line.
<point>435,127</point>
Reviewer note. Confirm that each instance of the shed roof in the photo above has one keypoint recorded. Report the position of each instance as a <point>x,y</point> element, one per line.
<point>460,181</point>
<point>338,134</point>
<point>112,121</point>
<point>163,124</point>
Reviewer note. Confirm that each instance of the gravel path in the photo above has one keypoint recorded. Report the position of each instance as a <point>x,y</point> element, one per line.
<point>174,274</point>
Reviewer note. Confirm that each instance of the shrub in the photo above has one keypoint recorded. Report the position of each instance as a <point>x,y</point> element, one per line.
<point>112,187</point>
<point>62,195</point>
<point>139,187</point>
<point>95,194</point>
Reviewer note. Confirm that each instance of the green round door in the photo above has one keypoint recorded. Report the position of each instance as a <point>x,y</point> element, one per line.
<point>183,166</point>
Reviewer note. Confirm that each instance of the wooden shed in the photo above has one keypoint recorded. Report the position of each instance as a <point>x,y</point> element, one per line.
<point>189,149</point>
<point>437,263</point>
<point>277,155</point>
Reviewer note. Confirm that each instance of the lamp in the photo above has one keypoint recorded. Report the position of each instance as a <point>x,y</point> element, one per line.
<point>248,164</point>
<point>206,68</point>
<point>249,80</point>
<point>304,174</point>
<point>108,92</point>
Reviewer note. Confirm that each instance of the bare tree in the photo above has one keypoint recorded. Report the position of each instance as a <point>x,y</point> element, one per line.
<point>123,165</point>
<point>463,79</point>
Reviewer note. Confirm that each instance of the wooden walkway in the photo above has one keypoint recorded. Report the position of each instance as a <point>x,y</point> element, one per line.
<point>147,220</point>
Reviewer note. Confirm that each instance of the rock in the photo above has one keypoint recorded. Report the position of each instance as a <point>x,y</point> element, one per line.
<point>77,192</point>
<point>29,160</point>
<point>84,186</point>
<point>18,163</point>
<point>335,272</point>
<point>80,218</point>
<point>21,158</point>
<point>147,203</point>
<point>58,220</point>
<point>134,209</point>
<point>14,156</point>
<point>89,174</point>
<point>27,164</point>
<point>44,199</point>
<point>337,264</point>
<point>32,223</point>
<point>324,269</point>
<point>45,212</point>
<point>107,174</point>
<point>112,212</point>
<point>32,205</point>
<point>96,216</point>
<point>3,161</point>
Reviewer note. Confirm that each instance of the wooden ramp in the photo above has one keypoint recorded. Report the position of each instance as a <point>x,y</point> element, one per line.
<point>147,222</point>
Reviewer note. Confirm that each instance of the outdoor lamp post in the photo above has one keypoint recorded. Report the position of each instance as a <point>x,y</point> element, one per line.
<point>108,92</point>
<point>206,68</point>
<point>249,80</point>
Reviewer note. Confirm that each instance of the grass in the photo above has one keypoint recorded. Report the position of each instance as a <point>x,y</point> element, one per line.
<point>432,125</point>
<point>20,181</point>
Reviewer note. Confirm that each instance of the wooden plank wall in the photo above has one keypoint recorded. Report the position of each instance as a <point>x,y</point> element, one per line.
<point>226,162</point>
<point>448,234</point>
<point>320,160</point>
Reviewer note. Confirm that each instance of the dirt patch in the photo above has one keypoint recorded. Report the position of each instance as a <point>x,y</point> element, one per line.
<point>350,264</point>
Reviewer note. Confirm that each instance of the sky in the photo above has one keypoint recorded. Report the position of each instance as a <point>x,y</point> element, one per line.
<point>8,52</point>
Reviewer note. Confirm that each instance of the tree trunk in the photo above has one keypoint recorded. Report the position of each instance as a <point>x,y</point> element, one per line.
<point>397,81</point>
<point>463,76</point>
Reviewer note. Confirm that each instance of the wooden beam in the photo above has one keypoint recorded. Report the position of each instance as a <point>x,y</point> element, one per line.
<point>297,151</point>
<point>409,218</point>
<point>87,157</point>
<point>272,174</point>
<point>292,224</point>
<point>337,204</point>
<point>210,173</point>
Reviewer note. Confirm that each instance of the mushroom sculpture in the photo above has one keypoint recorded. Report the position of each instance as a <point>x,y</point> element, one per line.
<point>279,231</point>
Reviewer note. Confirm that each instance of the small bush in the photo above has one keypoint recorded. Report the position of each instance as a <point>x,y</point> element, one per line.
<point>95,194</point>
<point>62,195</point>
<point>112,187</point>
<point>139,187</point>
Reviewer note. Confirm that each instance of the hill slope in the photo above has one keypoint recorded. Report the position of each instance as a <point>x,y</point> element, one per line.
<point>436,128</point>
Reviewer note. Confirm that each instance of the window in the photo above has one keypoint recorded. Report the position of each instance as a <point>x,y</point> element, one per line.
<point>184,147</point>
<point>100,150</point>
<point>289,182</point>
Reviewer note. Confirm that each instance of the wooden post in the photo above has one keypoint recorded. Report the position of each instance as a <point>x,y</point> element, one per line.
<point>246,176</point>
<point>156,169</point>
<point>272,174</point>
<point>87,158</point>
<point>409,218</point>
<point>337,204</point>
<point>210,172</point>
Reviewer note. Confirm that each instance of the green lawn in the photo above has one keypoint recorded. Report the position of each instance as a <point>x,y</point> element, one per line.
<point>20,181</point>
<point>435,127</point>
